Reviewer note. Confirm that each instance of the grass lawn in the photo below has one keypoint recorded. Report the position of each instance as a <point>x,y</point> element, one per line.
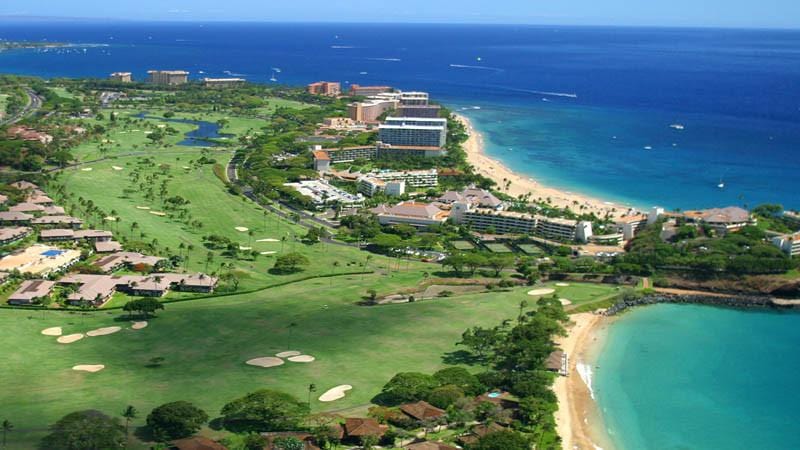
<point>206,342</point>
<point>531,249</point>
<point>498,248</point>
<point>463,245</point>
<point>3,104</point>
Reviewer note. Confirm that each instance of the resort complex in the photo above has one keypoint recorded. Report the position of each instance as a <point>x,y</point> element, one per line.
<point>336,265</point>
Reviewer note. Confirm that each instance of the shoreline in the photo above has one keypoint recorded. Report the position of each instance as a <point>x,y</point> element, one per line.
<point>578,420</point>
<point>520,184</point>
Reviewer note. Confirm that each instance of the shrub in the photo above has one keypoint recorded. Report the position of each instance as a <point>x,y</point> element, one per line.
<point>175,420</point>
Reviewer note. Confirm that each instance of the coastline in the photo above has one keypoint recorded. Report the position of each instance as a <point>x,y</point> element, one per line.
<point>522,184</point>
<point>578,419</point>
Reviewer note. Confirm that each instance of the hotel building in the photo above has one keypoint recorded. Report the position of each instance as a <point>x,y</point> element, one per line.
<point>414,98</point>
<point>721,220</point>
<point>410,213</point>
<point>369,111</point>
<point>221,83</point>
<point>789,244</point>
<point>386,181</point>
<point>410,131</point>
<point>502,222</point>
<point>167,77</point>
<point>324,158</point>
<point>368,91</point>
<point>427,111</point>
<point>323,193</point>
<point>122,77</point>
<point>327,88</point>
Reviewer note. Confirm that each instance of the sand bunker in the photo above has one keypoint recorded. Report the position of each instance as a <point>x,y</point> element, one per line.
<point>186,167</point>
<point>289,353</point>
<point>110,219</point>
<point>562,284</point>
<point>116,167</point>
<point>242,229</point>
<point>158,213</point>
<point>138,325</point>
<point>143,207</point>
<point>268,240</point>
<point>70,338</point>
<point>245,248</point>
<point>54,331</point>
<point>87,169</point>
<point>543,291</point>
<point>565,301</point>
<point>103,331</point>
<point>267,361</point>
<point>89,367</point>
<point>268,253</point>
<point>301,359</point>
<point>335,394</point>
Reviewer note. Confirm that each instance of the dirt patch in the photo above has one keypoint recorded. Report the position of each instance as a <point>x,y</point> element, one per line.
<point>103,331</point>
<point>267,361</point>
<point>335,393</point>
<point>540,292</point>
<point>70,338</point>
<point>54,331</point>
<point>89,367</point>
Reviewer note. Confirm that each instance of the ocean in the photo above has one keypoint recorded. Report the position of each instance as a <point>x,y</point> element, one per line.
<point>585,109</point>
<point>701,378</point>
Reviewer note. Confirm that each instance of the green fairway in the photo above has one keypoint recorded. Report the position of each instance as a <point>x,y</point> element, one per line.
<point>206,342</point>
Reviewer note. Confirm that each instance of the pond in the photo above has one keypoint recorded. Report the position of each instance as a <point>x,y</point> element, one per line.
<point>200,137</point>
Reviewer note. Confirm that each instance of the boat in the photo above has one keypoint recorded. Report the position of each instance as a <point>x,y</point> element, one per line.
<point>273,78</point>
<point>648,147</point>
<point>721,184</point>
<point>677,126</point>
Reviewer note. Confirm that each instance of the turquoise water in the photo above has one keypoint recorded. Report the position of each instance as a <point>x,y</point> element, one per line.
<point>698,377</point>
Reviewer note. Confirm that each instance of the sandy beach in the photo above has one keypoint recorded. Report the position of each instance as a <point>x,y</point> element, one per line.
<point>522,185</point>
<point>577,419</point>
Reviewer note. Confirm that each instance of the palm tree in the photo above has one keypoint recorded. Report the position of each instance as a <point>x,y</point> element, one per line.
<point>522,305</point>
<point>311,388</point>
<point>291,327</point>
<point>7,427</point>
<point>209,259</point>
<point>129,413</point>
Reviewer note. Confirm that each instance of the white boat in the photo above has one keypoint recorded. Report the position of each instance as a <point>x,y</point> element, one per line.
<point>648,147</point>
<point>721,184</point>
<point>677,126</point>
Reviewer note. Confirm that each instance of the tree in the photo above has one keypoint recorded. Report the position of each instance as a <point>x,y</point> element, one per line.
<point>175,420</point>
<point>407,387</point>
<point>7,427</point>
<point>480,341</point>
<point>289,263</point>
<point>253,441</point>
<point>500,263</point>
<point>368,441</point>
<point>264,410</point>
<point>143,306</point>
<point>459,376</point>
<point>85,430</point>
<point>288,443</point>
<point>502,440</point>
<point>129,413</point>
<point>445,396</point>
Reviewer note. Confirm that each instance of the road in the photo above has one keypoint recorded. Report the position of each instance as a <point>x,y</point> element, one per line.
<point>34,104</point>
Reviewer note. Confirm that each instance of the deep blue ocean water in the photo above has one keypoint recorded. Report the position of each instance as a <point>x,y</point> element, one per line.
<point>702,378</point>
<point>573,106</point>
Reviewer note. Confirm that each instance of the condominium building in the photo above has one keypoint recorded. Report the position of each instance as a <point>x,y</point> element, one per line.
<point>167,77</point>
<point>369,111</point>
<point>789,244</point>
<point>483,219</point>
<point>222,83</point>
<point>721,220</point>
<point>629,226</point>
<point>414,98</point>
<point>328,88</point>
<point>409,131</point>
<point>429,111</point>
<point>122,77</point>
<point>410,213</point>
<point>323,193</point>
<point>475,197</point>
<point>324,158</point>
<point>368,91</point>
<point>388,181</point>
